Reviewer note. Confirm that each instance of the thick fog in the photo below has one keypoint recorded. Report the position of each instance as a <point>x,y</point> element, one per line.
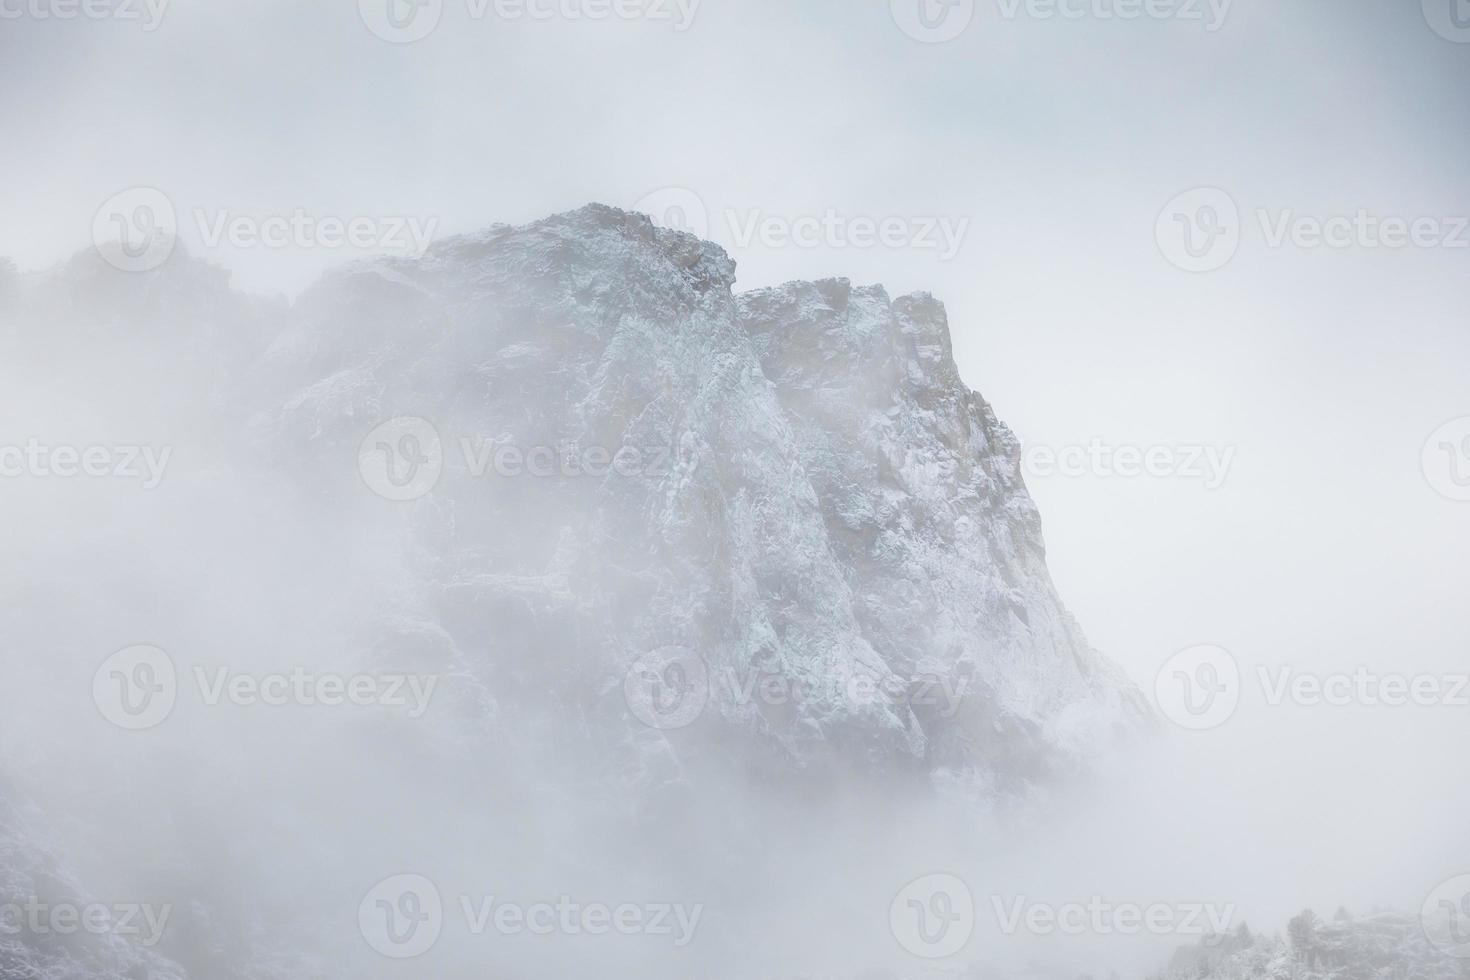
<point>372,505</point>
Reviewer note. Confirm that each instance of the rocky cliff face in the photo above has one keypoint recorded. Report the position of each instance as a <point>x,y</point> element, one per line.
<point>924,510</point>
<point>820,508</point>
<point>646,531</point>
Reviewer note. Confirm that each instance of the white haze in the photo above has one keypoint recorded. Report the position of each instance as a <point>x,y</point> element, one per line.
<point>1323,551</point>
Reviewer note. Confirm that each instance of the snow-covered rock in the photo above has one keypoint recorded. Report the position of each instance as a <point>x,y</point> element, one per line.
<point>1382,944</point>
<point>821,504</point>
<point>782,509</point>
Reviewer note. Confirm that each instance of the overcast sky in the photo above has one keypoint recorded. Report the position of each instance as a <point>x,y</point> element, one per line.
<point>1055,143</point>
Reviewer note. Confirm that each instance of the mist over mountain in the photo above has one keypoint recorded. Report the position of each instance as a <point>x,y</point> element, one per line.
<point>787,497</point>
<point>986,497</point>
<point>544,571</point>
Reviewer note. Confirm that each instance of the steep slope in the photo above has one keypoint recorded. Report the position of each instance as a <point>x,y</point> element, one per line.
<point>821,508</point>
<point>781,516</point>
<point>925,509</point>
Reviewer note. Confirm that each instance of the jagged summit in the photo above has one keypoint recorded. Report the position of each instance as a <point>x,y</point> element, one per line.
<point>835,499</point>
<point>590,236</point>
<point>823,496</point>
<point>825,526</point>
<point>709,264</point>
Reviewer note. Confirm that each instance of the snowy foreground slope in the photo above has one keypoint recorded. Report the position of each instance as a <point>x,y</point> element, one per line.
<point>1379,946</point>
<point>812,563</point>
